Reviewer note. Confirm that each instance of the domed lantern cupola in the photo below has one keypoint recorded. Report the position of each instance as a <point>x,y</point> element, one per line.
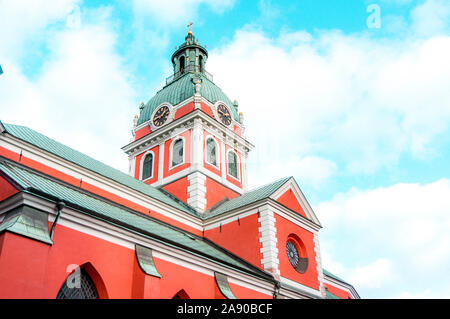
<point>190,56</point>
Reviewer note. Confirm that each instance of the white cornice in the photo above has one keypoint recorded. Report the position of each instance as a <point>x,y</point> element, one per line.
<point>187,121</point>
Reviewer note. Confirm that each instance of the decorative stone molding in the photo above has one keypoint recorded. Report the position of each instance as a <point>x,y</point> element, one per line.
<point>268,242</point>
<point>319,264</point>
<point>197,191</point>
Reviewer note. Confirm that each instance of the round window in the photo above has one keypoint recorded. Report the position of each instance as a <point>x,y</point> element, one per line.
<point>295,256</point>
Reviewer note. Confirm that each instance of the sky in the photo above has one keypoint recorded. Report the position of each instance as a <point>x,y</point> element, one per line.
<point>352,98</point>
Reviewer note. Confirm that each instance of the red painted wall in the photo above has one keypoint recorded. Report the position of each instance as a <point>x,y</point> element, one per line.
<point>284,229</point>
<point>38,270</point>
<point>6,189</point>
<point>241,238</point>
<point>178,188</point>
<point>215,192</point>
<point>187,154</point>
<point>137,167</point>
<point>182,111</point>
<point>142,132</point>
<point>289,200</point>
<point>205,108</point>
<point>338,292</point>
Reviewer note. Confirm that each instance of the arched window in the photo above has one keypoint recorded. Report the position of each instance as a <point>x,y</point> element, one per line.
<point>79,285</point>
<point>211,151</point>
<point>200,63</point>
<point>177,152</point>
<point>182,64</point>
<point>233,164</point>
<point>147,166</point>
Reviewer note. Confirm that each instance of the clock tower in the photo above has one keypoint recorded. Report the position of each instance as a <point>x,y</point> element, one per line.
<point>189,139</point>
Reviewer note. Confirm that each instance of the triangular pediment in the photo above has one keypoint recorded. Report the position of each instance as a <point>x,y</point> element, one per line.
<point>291,196</point>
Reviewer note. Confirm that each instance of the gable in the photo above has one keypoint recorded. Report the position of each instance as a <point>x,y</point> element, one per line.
<point>289,200</point>
<point>6,189</point>
<point>290,195</point>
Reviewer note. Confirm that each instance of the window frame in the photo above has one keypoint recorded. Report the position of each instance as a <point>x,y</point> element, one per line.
<point>216,145</point>
<point>238,164</point>
<point>141,170</point>
<point>172,144</point>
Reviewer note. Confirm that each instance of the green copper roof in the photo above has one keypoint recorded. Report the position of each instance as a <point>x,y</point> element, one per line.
<point>182,89</point>
<point>329,274</point>
<point>116,215</point>
<point>43,142</point>
<point>329,295</point>
<point>29,222</point>
<point>248,198</point>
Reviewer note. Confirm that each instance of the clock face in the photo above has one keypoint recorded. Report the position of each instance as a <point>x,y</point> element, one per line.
<point>224,114</point>
<point>161,116</point>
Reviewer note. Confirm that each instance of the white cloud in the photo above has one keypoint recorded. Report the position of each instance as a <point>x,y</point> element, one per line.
<point>432,17</point>
<point>399,234</point>
<point>82,97</point>
<point>374,275</point>
<point>24,19</point>
<point>359,102</point>
<point>177,12</point>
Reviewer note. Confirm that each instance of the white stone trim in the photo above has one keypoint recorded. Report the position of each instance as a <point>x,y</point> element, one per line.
<point>141,165</point>
<point>240,143</point>
<point>216,145</point>
<point>172,143</point>
<point>268,241</point>
<point>319,264</point>
<point>197,145</point>
<point>301,287</point>
<point>238,165</point>
<point>197,191</point>
<point>161,161</point>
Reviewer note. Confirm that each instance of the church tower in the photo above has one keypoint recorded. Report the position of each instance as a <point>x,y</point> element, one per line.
<point>189,138</point>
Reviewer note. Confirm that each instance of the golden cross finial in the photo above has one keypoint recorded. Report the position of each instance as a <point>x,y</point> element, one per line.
<point>189,25</point>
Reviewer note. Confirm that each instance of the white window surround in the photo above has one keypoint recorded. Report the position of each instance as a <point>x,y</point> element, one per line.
<point>238,164</point>
<point>171,152</point>
<point>141,165</point>
<point>216,145</point>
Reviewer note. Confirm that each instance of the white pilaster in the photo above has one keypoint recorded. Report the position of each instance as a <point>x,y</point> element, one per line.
<point>319,264</point>
<point>268,241</point>
<point>161,161</point>
<point>197,145</point>
<point>197,191</point>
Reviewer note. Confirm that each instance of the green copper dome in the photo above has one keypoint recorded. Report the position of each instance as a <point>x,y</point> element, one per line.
<point>182,89</point>
<point>188,64</point>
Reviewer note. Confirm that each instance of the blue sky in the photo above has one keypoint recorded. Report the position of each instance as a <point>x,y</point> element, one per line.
<point>358,114</point>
